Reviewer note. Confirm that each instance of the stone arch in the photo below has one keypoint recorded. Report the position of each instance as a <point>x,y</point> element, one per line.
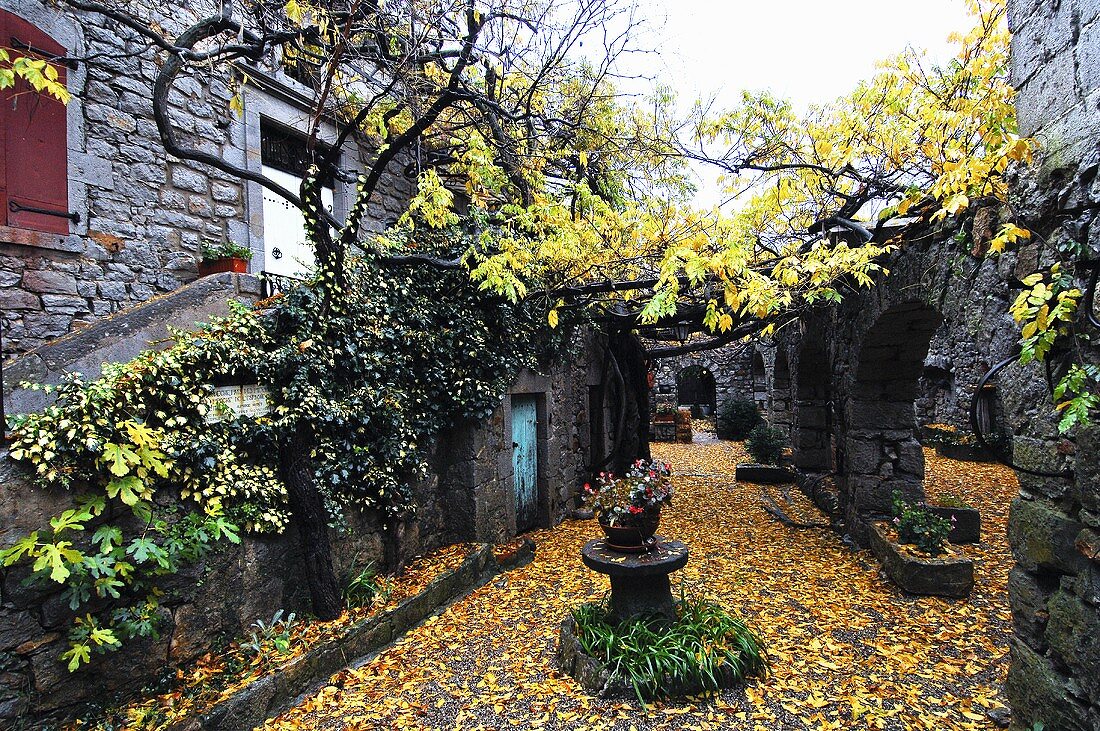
<point>696,388</point>
<point>881,451</point>
<point>729,367</point>
<point>811,434</point>
<point>780,411</point>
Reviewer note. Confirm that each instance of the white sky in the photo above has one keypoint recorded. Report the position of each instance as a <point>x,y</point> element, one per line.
<point>804,50</point>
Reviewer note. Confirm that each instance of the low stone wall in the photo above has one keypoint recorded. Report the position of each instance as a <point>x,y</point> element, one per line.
<point>120,337</point>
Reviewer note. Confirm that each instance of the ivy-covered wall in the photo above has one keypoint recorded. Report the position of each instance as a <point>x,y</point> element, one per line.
<point>468,495</point>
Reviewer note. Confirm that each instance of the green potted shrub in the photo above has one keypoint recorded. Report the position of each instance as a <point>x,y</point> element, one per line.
<point>224,257</point>
<point>765,445</point>
<point>737,418</point>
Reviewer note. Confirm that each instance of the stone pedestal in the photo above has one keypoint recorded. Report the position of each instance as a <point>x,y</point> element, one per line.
<point>639,581</point>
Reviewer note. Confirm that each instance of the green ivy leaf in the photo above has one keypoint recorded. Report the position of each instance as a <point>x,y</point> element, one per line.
<point>129,489</point>
<point>119,458</point>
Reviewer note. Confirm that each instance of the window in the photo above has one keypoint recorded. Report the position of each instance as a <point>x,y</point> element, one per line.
<point>34,176</point>
<point>285,161</point>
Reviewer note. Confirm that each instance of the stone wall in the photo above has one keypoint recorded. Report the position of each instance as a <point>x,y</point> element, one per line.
<point>468,496</point>
<point>1054,527</point>
<point>857,372</point>
<point>144,215</point>
<point>731,367</point>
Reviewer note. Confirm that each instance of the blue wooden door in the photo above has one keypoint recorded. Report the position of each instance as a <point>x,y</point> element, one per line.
<point>525,466</point>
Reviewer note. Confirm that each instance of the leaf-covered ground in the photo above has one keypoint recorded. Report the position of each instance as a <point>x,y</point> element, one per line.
<point>218,675</point>
<point>848,649</point>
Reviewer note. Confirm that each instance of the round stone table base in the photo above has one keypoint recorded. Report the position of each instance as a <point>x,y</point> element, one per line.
<point>636,595</point>
<point>639,581</point>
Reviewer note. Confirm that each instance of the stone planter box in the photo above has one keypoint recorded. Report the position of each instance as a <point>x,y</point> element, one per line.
<point>281,686</point>
<point>964,452</point>
<point>664,431</point>
<point>950,576</point>
<point>968,523</point>
<point>763,474</point>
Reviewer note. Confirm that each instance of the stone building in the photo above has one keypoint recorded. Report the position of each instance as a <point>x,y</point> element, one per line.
<point>709,377</point>
<point>123,221</point>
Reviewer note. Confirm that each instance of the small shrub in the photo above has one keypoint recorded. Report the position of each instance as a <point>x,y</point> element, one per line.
<point>918,526</point>
<point>212,251</point>
<point>274,635</point>
<point>705,646</point>
<point>737,419</point>
<point>362,588</point>
<point>765,443</point>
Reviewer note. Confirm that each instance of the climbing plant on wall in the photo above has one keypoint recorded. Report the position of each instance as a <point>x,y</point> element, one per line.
<point>159,475</point>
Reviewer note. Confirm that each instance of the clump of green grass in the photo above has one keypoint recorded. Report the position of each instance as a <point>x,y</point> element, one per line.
<point>704,649</point>
<point>951,500</point>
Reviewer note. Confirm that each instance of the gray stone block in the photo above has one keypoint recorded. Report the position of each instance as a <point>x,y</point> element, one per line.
<point>1028,599</point>
<point>18,299</point>
<point>1043,538</point>
<point>1038,693</point>
<point>65,304</point>
<point>49,281</point>
<point>187,179</point>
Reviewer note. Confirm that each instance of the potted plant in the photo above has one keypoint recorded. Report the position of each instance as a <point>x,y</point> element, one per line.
<point>224,257</point>
<point>628,508</point>
<point>666,412</point>
<point>765,445</point>
<point>737,418</point>
<point>664,422</point>
<point>912,550</point>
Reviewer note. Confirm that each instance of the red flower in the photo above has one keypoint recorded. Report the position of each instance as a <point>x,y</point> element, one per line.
<point>634,509</point>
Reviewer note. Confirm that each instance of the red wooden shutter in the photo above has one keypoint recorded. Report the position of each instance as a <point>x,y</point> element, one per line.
<point>35,171</point>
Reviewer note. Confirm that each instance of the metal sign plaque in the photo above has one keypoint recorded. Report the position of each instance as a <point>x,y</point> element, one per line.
<point>250,400</point>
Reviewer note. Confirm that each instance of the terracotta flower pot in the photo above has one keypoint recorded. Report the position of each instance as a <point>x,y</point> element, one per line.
<point>631,538</point>
<point>228,264</point>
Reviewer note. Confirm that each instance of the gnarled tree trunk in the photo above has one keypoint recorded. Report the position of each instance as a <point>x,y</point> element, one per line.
<point>307,507</point>
<point>629,357</point>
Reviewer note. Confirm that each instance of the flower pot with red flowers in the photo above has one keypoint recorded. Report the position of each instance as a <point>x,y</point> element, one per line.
<point>224,257</point>
<point>628,508</point>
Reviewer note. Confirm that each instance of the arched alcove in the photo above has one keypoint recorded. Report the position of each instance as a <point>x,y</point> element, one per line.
<point>882,453</point>
<point>695,388</point>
